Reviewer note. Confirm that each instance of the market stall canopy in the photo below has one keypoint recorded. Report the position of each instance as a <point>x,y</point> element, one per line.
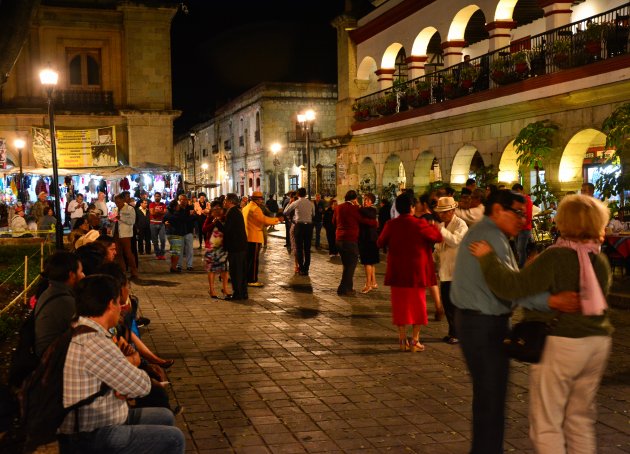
<point>39,171</point>
<point>190,185</point>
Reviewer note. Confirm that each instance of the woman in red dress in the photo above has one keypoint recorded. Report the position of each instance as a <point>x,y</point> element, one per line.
<point>410,269</point>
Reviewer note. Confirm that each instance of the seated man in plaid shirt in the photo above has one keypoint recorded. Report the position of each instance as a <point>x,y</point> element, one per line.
<point>107,425</point>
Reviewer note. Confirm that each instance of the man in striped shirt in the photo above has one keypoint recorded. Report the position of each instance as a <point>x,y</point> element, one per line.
<point>93,359</point>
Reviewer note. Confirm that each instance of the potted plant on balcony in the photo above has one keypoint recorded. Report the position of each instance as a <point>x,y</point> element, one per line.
<point>561,50</point>
<point>521,62</point>
<point>499,70</point>
<point>361,111</point>
<point>387,104</point>
<point>449,84</point>
<point>467,76</point>
<point>593,36</point>
<point>419,94</point>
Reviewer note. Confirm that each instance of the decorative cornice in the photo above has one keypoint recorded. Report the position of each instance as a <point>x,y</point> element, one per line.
<point>455,43</point>
<point>558,11</point>
<point>387,19</point>
<point>509,24</point>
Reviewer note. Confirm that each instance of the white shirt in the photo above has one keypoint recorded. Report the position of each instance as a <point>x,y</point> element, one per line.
<point>446,252</point>
<point>76,209</point>
<point>470,216</point>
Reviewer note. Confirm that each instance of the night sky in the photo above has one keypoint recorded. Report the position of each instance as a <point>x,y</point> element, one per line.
<point>222,48</point>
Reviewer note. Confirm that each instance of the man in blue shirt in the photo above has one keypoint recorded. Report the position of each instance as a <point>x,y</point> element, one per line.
<point>482,320</point>
<point>304,214</point>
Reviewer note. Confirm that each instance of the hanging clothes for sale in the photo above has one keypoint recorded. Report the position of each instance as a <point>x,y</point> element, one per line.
<point>41,186</point>
<point>124,184</point>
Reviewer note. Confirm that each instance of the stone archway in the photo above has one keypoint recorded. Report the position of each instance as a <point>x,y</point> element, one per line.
<point>422,175</point>
<point>465,158</point>
<point>508,167</point>
<point>367,175</point>
<point>571,164</point>
<point>458,26</point>
<point>394,172</point>
<point>366,80</point>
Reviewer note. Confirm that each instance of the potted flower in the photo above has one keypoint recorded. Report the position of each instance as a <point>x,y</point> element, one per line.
<point>593,36</point>
<point>499,70</point>
<point>467,76</point>
<point>561,50</point>
<point>449,84</point>
<point>361,111</point>
<point>521,61</point>
<point>424,89</point>
<point>387,104</point>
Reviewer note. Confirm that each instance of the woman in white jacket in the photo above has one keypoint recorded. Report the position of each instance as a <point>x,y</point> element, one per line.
<point>453,230</point>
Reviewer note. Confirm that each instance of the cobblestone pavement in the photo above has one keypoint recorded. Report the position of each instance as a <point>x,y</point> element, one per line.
<point>299,370</point>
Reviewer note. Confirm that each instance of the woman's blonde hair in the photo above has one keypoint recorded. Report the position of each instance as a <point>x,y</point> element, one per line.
<point>581,217</point>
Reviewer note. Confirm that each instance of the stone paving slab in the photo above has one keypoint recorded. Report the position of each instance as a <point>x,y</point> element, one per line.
<point>299,369</point>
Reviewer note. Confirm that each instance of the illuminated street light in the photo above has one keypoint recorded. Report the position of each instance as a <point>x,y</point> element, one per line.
<point>49,78</point>
<point>19,145</point>
<point>307,119</point>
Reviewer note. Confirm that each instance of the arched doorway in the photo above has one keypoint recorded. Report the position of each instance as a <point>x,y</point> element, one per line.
<point>367,175</point>
<point>394,173</point>
<point>466,164</point>
<point>423,173</point>
<point>582,158</point>
<point>508,167</point>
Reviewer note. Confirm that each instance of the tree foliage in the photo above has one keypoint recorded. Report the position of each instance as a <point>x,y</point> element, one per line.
<point>614,181</point>
<point>533,145</point>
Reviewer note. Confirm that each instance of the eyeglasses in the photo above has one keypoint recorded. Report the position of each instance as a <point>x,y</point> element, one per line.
<point>519,213</point>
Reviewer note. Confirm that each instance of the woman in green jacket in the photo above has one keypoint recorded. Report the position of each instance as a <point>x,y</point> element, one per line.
<point>563,386</point>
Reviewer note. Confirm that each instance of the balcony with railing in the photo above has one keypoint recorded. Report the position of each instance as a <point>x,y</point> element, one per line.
<point>583,44</point>
<point>84,100</point>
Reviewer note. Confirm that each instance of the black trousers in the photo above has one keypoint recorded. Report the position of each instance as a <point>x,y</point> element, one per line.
<point>349,252</point>
<point>143,239</point>
<point>449,307</point>
<point>238,273</point>
<point>303,240</point>
<point>481,338</point>
<point>253,254</point>
<point>330,237</point>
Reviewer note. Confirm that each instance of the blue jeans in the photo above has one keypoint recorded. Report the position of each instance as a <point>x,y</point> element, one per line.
<point>522,240</point>
<point>481,338</point>
<point>187,251</point>
<point>158,233</point>
<point>146,430</point>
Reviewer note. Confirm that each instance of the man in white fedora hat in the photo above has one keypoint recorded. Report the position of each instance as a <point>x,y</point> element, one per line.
<point>453,230</point>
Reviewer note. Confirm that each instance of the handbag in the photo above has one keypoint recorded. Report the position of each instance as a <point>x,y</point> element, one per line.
<point>526,340</point>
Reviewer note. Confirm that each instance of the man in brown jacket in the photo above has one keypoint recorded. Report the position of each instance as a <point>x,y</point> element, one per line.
<point>255,221</point>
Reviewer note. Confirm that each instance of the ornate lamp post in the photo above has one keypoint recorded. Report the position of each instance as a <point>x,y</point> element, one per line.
<point>192,138</point>
<point>49,78</point>
<point>19,145</point>
<point>307,119</point>
<point>275,149</point>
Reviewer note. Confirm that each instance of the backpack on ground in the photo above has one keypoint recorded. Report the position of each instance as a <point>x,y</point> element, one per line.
<point>41,395</point>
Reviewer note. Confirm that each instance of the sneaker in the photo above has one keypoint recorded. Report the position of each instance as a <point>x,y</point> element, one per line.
<point>255,284</point>
<point>190,268</point>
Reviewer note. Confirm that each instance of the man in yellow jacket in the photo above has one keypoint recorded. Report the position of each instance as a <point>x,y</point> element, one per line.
<point>255,221</point>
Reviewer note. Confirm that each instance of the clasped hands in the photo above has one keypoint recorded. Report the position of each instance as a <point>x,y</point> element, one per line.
<point>565,301</point>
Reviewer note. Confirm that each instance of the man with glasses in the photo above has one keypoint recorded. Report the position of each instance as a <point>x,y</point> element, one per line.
<point>482,320</point>
<point>525,234</point>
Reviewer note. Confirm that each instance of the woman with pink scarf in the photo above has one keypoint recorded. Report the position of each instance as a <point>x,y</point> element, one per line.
<point>563,385</point>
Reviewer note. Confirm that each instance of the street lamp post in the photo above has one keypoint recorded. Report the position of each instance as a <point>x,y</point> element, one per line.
<point>275,149</point>
<point>306,119</point>
<point>192,138</point>
<point>49,78</point>
<point>19,145</point>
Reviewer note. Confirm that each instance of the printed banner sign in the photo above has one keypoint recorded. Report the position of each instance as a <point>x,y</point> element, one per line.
<point>77,148</point>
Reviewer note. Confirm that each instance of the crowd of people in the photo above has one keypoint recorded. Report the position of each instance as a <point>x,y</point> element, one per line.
<point>471,255</point>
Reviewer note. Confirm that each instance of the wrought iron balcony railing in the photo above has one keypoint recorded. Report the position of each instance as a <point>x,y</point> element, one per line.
<point>580,43</point>
<point>300,136</point>
<point>84,100</point>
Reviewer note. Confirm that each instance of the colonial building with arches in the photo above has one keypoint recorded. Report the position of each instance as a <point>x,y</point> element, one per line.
<point>432,90</point>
